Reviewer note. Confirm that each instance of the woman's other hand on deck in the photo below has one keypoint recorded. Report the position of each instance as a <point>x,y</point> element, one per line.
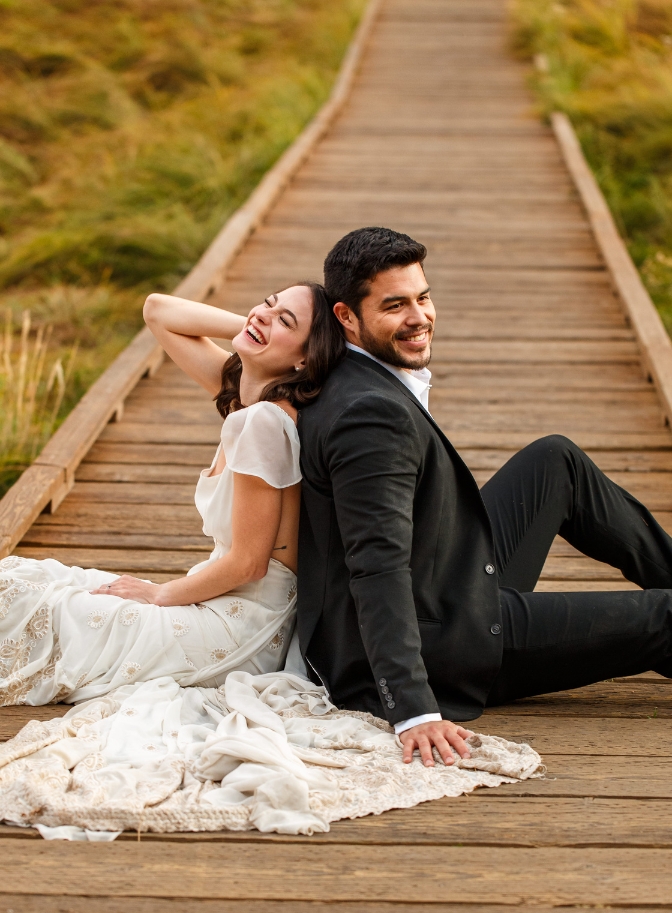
<point>127,587</point>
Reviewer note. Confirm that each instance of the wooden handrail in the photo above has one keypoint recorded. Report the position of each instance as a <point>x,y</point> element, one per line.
<point>654,343</point>
<point>47,481</point>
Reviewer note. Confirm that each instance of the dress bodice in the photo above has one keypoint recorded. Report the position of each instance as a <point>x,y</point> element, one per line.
<point>261,441</point>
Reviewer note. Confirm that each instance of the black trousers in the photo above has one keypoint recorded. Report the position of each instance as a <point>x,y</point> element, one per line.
<point>554,641</point>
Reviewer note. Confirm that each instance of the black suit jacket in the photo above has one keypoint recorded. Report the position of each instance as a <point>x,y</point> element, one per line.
<point>395,606</point>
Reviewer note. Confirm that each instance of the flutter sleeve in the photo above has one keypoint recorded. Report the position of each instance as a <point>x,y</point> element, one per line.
<point>262,441</point>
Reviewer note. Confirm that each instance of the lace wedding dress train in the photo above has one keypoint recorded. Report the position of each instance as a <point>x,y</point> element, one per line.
<point>186,721</point>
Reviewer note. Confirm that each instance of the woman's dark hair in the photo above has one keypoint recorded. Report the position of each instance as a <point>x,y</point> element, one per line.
<point>323,350</point>
<point>355,261</point>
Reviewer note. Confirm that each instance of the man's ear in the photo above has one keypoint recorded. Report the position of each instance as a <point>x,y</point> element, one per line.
<point>346,317</point>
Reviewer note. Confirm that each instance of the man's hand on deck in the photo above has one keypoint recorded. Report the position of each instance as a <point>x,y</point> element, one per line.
<point>442,734</point>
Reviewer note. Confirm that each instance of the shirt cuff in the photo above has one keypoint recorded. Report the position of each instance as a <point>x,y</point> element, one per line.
<point>416,721</point>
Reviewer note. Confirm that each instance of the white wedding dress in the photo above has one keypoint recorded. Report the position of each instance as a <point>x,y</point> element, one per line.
<point>187,722</point>
<point>60,643</point>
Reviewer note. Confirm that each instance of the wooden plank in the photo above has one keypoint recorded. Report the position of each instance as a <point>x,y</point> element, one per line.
<point>567,585</point>
<point>57,536</point>
<point>36,903</point>
<point>563,567</point>
<point>166,454</point>
<point>197,412</point>
<point>508,875</point>
<point>177,519</point>
<point>15,903</point>
<point>132,493</point>
<point>143,472</point>
<point>637,700</point>
<point>588,378</point>
<point>533,351</point>
<point>138,432</point>
<point>568,399</point>
<point>119,561</point>
<point>541,422</point>
<point>610,461</point>
<point>615,737</point>
<point>641,781</point>
<point>13,719</point>
<point>588,440</point>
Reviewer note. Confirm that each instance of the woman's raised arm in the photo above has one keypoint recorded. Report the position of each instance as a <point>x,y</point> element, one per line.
<point>185,330</point>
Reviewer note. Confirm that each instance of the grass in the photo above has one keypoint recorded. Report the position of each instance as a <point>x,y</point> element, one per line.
<point>129,132</point>
<point>31,393</point>
<point>608,65</point>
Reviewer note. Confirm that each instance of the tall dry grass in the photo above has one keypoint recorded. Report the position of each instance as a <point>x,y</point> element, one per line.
<point>31,393</point>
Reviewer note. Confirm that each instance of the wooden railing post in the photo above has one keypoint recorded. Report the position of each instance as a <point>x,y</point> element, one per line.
<point>654,343</point>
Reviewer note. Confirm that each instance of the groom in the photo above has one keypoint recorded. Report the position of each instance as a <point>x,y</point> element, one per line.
<point>415,589</point>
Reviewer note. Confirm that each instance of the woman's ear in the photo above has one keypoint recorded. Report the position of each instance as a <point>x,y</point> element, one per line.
<point>300,366</point>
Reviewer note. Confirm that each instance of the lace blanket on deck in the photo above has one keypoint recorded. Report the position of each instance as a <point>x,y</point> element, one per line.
<point>267,752</point>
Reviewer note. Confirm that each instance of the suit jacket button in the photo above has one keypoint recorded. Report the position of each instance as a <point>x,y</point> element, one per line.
<point>495,629</point>
<point>385,689</point>
<point>489,568</point>
<point>391,705</point>
<point>382,682</point>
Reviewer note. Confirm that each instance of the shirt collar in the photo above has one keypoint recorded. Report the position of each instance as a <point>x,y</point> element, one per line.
<point>417,381</point>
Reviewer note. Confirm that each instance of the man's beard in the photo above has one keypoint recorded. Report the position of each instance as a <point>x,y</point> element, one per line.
<point>386,351</point>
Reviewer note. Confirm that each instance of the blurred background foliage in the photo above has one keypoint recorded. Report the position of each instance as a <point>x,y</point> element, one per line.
<point>608,65</point>
<point>129,131</point>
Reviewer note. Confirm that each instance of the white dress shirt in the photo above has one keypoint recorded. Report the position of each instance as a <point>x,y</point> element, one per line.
<point>418,382</point>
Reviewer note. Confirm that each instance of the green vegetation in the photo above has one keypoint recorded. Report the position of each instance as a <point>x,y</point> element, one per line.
<point>129,131</point>
<point>608,65</point>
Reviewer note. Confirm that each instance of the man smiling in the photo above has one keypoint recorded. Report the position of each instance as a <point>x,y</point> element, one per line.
<point>415,590</point>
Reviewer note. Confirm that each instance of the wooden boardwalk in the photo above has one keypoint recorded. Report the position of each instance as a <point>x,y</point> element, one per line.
<point>438,140</point>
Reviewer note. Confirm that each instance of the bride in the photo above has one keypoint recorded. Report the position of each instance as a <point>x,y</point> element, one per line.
<point>69,634</point>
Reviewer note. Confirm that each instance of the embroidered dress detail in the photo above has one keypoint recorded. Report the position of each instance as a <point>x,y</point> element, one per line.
<point>96,619</point>
<point>180,628</point>
<point>129,615</point>
<point>234,609</point>
<point>277,642</point>
<point>218,655</point>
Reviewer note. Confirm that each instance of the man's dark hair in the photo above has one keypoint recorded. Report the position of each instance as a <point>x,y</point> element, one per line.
<point>356,260</point>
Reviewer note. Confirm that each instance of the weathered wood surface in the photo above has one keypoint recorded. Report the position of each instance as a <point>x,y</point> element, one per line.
<point>438,139</point>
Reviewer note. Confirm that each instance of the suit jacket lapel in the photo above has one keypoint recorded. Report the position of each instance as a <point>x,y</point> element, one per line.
<point>389,376</point>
